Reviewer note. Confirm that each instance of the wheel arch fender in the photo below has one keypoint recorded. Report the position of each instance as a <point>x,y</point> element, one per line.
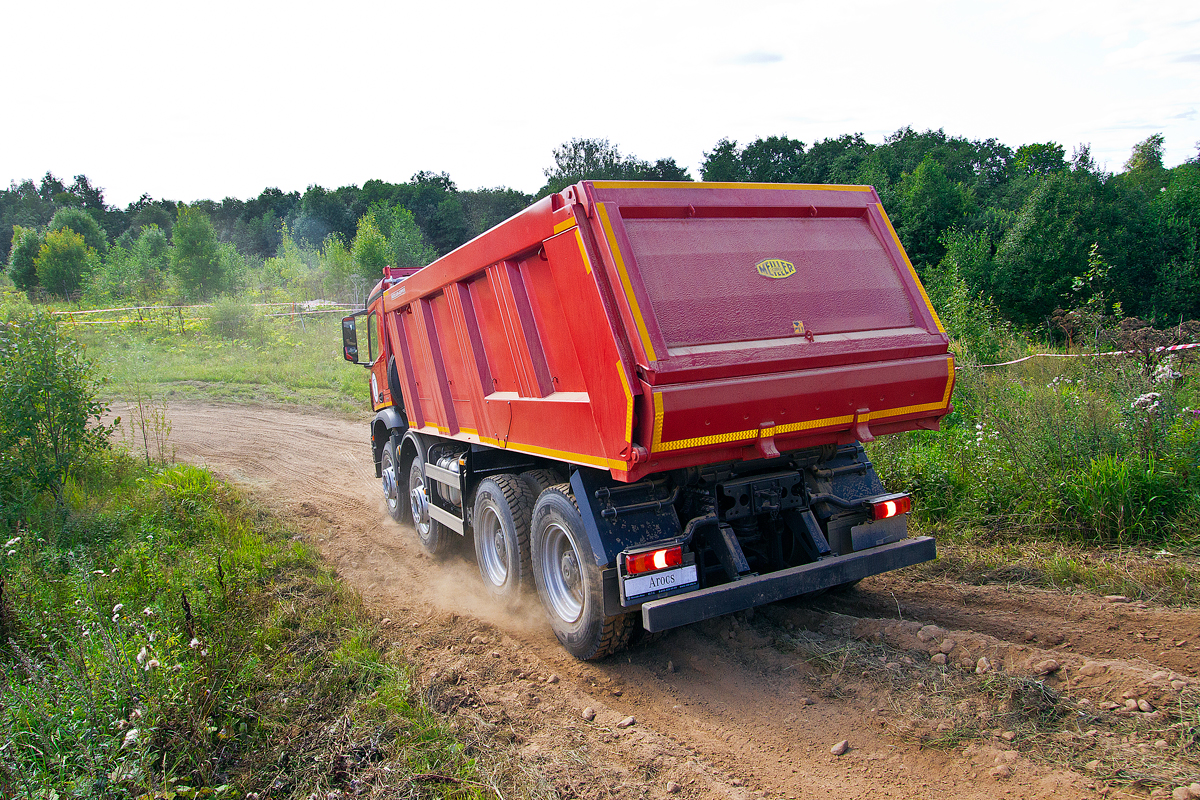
<point>628,527</point>
<point>385,425</point>
<point>411,445</point>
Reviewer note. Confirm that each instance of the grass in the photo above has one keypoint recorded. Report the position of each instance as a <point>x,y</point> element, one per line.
<point>279,360</point>
<point>167,639</point>
<point>1141,573</point>
<point>1059,450</point>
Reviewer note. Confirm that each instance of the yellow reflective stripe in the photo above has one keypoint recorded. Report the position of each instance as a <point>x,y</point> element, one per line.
<point>945,401</point>
<point>628,404</point>
<point>937,320</point>
<point>610,236</point>
<point>561,455</point>
<point>567,223</point>
<point>792,427</point>
<point>659,445</point>
<point>786,187</point>
<point>587,264</point>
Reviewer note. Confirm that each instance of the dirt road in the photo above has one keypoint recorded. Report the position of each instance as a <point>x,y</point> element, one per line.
<point>746,706</point>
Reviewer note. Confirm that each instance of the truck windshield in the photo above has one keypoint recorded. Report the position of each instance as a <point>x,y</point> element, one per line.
<point>373,347</point>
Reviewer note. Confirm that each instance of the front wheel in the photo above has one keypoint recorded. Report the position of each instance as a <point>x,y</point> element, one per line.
<point>393,494</point>
<point>568,579</point>
<point>435,537</point>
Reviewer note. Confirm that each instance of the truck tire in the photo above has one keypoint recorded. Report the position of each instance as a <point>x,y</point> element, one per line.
<point>503,508</point>
<point>434,537</point>
<point>539,480</point>
<point>569,582</point>
<point>393,492</point>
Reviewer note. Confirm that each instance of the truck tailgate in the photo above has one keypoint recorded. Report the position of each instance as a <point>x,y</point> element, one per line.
<point>719,280</point>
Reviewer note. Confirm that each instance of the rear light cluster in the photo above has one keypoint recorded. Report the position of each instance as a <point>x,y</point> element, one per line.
<point>651,560</point>
<point>892,507</point>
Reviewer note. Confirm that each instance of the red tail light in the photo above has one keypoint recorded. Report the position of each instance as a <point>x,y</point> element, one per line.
<point>891,507</point>
<point>637,563</point>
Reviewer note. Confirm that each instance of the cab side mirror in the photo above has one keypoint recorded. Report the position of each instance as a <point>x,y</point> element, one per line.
<point>350,340</point>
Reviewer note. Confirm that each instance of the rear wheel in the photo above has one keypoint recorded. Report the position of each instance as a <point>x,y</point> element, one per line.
<point>539,480</point>
<point>503,507</point>
<point>393,495</point>
<point>568,579</point>
<point>434,537</point>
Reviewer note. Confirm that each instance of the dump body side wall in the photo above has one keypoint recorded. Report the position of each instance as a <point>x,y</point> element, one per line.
<point>507,342</point>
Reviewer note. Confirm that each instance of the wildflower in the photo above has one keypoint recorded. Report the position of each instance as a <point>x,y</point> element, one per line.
<point>135,714</point>
<point>147,612</point>
<point>13,541</point>
<point>116,617</point>
<point>143,655</point>
<point>1165,372</point>
<point>1149,402</point>
<point>204,652</point>
<point>194,643</point>
<point>131,738</point>
<point>117,608</point>
<point>152,664</point>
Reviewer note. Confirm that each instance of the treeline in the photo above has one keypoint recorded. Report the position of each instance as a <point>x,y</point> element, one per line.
<point>1029,227</point>
<point>66,241</point>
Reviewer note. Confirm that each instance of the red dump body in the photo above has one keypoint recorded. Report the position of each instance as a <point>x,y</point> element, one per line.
<point>641,327</point>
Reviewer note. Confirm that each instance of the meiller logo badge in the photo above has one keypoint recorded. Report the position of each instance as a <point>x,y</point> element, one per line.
<point>775,268</point>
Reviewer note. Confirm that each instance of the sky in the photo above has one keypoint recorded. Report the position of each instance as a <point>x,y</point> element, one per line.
<point>187,101</point>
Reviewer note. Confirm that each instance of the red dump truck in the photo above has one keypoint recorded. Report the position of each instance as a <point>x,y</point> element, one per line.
<point>648,400</point>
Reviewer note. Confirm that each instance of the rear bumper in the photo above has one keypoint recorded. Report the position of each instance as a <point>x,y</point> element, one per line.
<point>671,612</point>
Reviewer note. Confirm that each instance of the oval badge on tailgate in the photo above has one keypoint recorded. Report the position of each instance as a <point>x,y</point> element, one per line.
<point>775,268</point>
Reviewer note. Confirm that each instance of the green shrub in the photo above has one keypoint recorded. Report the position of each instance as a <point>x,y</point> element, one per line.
<point>1094,449</point>
<point>232,318</point>
<point>49,411</point>
<point>64,262</point>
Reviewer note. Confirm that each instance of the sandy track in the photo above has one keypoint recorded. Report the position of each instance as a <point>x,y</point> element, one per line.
<point>725,708</point>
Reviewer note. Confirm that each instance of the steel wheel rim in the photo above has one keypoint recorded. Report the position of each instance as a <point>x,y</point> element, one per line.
<point>562,573</point>
<point>391,491</point>
<point>420,513</point>
<point>493,549</point>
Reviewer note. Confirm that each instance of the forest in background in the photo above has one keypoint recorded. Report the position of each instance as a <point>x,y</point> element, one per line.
<point>1029,231</point>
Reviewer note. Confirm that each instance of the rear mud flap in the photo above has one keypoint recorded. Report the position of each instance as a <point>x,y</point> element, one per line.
<point>671,612</point>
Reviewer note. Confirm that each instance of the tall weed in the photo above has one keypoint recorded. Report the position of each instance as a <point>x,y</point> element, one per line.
<point>1097,449</point>
<point>166,641</point>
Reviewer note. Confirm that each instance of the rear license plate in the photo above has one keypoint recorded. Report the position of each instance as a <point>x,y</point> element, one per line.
<point>655,582</point>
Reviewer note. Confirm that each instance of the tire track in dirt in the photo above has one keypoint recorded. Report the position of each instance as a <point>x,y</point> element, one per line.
<point>1082,624</point>
<point>720,705</point>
